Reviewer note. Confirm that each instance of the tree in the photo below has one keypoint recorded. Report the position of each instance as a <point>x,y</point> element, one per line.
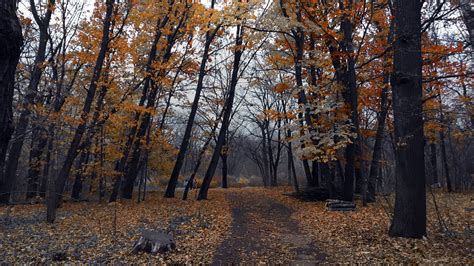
<point>409,218</point>
<point>221,139</point>
<point>58,188</point>
<point>209,37</point>
<point>11,41</point>
<point>32,91</point>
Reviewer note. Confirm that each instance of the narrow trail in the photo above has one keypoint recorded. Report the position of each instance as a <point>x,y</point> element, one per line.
<point>262,231</point>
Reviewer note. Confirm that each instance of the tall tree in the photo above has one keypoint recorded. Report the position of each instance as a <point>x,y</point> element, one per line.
<point>11,40</point>
<point>155,87</point>
<point>173,181</point>
<point>58,187</point>
<point>32,90</point>
<point>409,219</point>
<point>227,115</point>
<point>381,117</point>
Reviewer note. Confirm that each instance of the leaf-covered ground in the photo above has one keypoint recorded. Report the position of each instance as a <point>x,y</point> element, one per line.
<point>91,232</point>
<point>361,236</point>
<point>249,225</point>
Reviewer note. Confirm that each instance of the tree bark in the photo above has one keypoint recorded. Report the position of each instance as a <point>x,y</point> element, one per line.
<point>351,100</point>
<point>377,152</point>
<point>409,219</point>
<point>39,143</point>
<point>444,158</point>
<point>434,163</point>
<point>224,154</point>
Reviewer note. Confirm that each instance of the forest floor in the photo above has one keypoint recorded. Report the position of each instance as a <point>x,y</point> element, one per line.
<point>263,232</point>
<point>248,225</point>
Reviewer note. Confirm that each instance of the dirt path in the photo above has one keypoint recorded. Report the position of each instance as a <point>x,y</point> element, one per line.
<point>262,231</point>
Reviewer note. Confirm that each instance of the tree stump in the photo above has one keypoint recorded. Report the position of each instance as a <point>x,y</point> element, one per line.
<point>340,205</point>
<point>154,242</point>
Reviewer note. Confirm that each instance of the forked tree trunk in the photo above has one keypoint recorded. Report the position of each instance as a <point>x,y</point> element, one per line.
<point>409,219</point>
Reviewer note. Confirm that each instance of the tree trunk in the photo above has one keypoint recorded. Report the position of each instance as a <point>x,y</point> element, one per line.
<point>351,100</point>
<point>224,154</point>
<point>377,152</point>
<point>434,163</point>
<point>315,174</point>
<point>227,116</point>
<point>11,41</point>
<point>409,219</point>
<point>467,11</point>
<point>293,169</point>
<point>58,188</point>
<point>80,170</point>
<point>133,166</point>
<point>32,90</point>
<point>39,143</point>
<point>121,164</point>
<point>170,189</point>
<point>444,158</point>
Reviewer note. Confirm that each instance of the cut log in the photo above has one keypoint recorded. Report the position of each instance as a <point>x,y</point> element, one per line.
<point>154,242</point>
<point>340,205</point>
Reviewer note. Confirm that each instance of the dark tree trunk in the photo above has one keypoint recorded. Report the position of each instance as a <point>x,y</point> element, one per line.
<point>351,99</point>
<point>293,169</point>
<point>467,11</point>
<point>11,41</point>
<point>434,163</point>
<point>315,174</point>
<point>201,156</point>
<point>206,182</point>
<point>32,90</point>
<point>299,37</point>
<point>39,143</point>
<point>291,162</point>
<point>444,158</point>
<point>307,172</point>
<point>80,171</point>
<point>45,175</point>
<point>121,164</point>
<point>377,152</point>
<point>409,219</point>
<point>58,187</point>
<point>381,118</point>
<point>170,189</point>
<point>133,166</point>
<point>224,154</point>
